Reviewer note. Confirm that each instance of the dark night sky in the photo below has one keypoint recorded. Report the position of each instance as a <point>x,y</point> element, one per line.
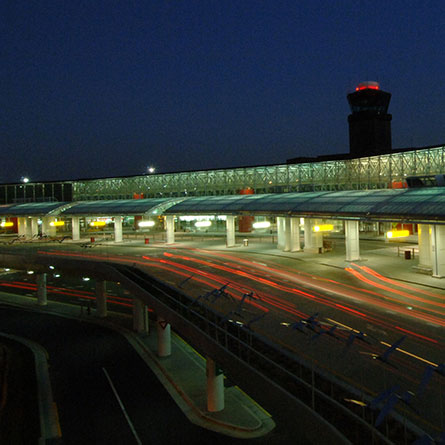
<point>105,88</point>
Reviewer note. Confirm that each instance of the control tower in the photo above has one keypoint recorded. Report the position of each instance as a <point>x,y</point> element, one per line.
<point>369,121</point>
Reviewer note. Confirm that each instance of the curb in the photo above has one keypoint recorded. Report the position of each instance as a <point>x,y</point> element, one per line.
<point>49,421</point>
<point>185,403</point>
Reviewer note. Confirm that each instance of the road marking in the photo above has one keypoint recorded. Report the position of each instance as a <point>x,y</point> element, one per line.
<point>411,355</point>
<point>135,434</point>
<point>261,264</point>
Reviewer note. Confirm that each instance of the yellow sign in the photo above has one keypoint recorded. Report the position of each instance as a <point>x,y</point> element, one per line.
<point>57,223</point>
<point>397,234</point>
<point>6,224</point>
<point>324,228</point>
<point>97,223</point>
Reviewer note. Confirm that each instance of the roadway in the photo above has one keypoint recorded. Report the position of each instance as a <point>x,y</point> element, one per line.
<point>347,298</point>
<point>105,393</point>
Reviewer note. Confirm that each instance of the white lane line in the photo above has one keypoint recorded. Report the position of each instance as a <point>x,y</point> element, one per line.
<point>135,434</point>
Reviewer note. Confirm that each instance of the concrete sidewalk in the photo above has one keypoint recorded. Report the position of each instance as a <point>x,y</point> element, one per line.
<point>183,374</point>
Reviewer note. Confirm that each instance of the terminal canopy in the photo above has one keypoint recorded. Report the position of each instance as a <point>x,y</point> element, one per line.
<point>120,207</point>
<point>415,204</point>
<point>33,209</point>
<point>424,204</point>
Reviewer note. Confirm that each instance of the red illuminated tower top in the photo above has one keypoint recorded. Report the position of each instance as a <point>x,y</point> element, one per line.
<point>369,121</point>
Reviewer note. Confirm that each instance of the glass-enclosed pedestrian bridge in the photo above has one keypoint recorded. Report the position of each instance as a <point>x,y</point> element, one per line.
<point>371,172</point>
<point>291,216</point>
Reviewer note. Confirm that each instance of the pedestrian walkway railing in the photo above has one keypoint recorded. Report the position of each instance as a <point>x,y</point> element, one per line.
<point>321,392</point>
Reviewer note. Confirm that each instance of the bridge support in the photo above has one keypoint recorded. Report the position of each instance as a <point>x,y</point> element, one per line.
<point>101,299</point>
<point>21,226</point>
<point>215,386</point>
<point>75,224</point>
<point>28,228</point>
<point>41,289</point>
<point>47,228</point>
<point>118,229</point>
<point>291,234</point>
<point>312,240</point>
<point>164,338</point>
<point>352,240</point>
<point>438,250</point>
<point>281,233</point>
<point>230,231</point>
<point>170,227</point>
<point>425,248</point>
<point>34,227</point>
<point>140,316</point>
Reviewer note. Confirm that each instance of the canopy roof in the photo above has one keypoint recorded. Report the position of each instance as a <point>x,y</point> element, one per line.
<point>120,207</point>
<point>33,209</point>
<point>417,203</point>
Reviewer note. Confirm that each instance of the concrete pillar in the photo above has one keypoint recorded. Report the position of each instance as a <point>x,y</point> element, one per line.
<point>295,234</point>
<point>21,225</point>
<point>28,228</point>
<point>438,250</point>
<point>215,386</point>
<point>425,248</point>
<point>352,240</point>
<point>101,299</point>
<point>308,225</point>
<point>34,227</point>
<point>170,227</point>
<point>230,231</point>
<point>291,234</point>
<point>75,223</point>
<point>118,229</point>
<point>280,232</point>
<point>164,338</point>
<point>47,228</point>
<point>312,240</point>
<point>287,234</point>
<point>41,289</point>
<point>317,237</point>
<point>140,316</point>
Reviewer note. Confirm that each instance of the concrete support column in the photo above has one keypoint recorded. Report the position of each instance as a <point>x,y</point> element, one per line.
<point>118,229</point>
<point>317,237</point>
<point>41,289</point>
<point>28,228</point>
<point>164,338</point>
<point>438,250</point>
<point>215,386</point>
<point>352,241</point>
<point>21,226</point>
<point>75,223</point>
<point>308,230</point>
<point>101,299</point>
<point>424,245</point>
<point>287,234</point>
<point>295,234</point>
<point>170,227</point>
<point>34,227</point>
<point>230,231</point>
<point>280,233</point>
<point>47,228</point>
<point>291,234</point>
<point>140,316</point>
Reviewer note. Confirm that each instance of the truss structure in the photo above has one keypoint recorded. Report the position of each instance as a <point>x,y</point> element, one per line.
<point>348,174</point>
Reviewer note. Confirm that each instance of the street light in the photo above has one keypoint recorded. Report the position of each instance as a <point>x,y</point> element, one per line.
<point>24,179</point>
<point>151,170</point>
